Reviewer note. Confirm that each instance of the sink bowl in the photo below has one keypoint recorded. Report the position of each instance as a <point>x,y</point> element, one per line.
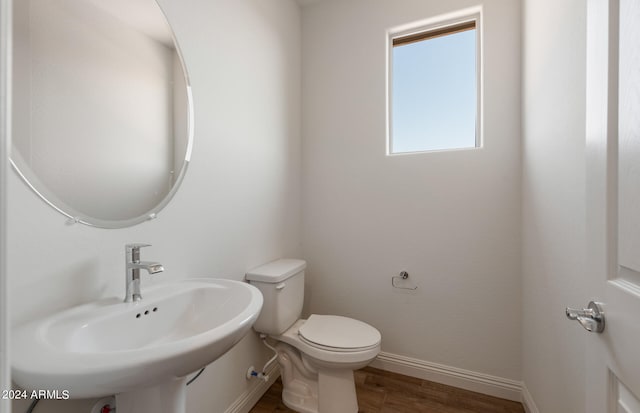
<point>110,347</point>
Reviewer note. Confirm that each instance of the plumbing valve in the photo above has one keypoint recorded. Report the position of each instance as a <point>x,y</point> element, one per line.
<point>107,409</point>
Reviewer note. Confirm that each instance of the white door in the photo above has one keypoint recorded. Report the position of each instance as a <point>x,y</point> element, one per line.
<point>613,204</point>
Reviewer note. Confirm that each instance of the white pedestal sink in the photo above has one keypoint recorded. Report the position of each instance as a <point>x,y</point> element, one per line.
<point>142,351</point>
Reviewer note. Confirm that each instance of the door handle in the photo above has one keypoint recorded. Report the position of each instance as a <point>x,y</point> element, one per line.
<point>591,318</point>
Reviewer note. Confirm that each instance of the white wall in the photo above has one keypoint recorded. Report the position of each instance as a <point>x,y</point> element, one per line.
<point>451,219</point>
<point>553,183</point>
<point>239,204</point>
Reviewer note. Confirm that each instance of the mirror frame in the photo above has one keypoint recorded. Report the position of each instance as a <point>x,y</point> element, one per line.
<point>31,180</point>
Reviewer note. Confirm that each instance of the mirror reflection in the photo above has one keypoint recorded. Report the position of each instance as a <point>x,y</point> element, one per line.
<point>102,114</point>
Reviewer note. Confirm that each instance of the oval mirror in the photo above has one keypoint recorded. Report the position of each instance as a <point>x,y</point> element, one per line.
<point>102,109</point>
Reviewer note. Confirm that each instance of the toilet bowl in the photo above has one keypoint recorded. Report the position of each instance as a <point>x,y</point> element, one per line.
<point>317,356</point>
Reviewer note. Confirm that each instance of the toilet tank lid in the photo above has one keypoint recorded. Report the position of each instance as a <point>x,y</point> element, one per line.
<point>276,271</point>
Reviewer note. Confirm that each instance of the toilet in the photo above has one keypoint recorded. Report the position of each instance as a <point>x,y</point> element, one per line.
<point>317,356</point>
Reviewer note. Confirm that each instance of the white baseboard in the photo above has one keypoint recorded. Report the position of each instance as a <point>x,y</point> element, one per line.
<point>451,376</point>
<point>439,373</point>
<point>527,401</point>
<point>250,397</point>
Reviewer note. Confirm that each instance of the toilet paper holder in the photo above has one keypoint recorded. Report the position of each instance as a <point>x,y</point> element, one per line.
<point>402,277</point>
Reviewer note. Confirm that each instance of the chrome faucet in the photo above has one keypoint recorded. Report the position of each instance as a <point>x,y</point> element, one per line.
<point>132,271</point>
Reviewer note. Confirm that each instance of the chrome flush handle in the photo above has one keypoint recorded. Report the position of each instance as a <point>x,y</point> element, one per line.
<point>591,318</point>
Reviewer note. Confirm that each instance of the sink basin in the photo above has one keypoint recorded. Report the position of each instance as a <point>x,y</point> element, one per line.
<point>110,347</point>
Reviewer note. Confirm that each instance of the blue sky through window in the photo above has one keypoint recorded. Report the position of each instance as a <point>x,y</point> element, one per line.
<point>434,94</point>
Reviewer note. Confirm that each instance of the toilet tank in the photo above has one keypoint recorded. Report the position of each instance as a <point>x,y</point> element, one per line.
<point>282,285</point>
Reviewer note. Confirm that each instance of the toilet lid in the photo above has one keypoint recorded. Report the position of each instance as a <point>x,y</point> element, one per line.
<point>339,332</point>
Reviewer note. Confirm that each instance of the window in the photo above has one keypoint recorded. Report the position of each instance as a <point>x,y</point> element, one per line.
<point>434,98</point>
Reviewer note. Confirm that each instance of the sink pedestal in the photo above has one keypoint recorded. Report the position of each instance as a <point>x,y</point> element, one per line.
<point>168,397</point>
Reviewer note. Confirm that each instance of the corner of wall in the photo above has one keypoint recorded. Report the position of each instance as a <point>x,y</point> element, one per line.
<point>527,400</point>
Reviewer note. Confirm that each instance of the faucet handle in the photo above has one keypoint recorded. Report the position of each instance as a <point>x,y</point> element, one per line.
<point>135,246</point>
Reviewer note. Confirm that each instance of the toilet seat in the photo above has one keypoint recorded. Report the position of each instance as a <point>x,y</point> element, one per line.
<point>337,333</point>
<point>332,355</point>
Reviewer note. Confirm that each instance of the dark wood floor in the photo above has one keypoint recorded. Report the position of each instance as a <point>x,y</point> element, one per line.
<point>384,392</point>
